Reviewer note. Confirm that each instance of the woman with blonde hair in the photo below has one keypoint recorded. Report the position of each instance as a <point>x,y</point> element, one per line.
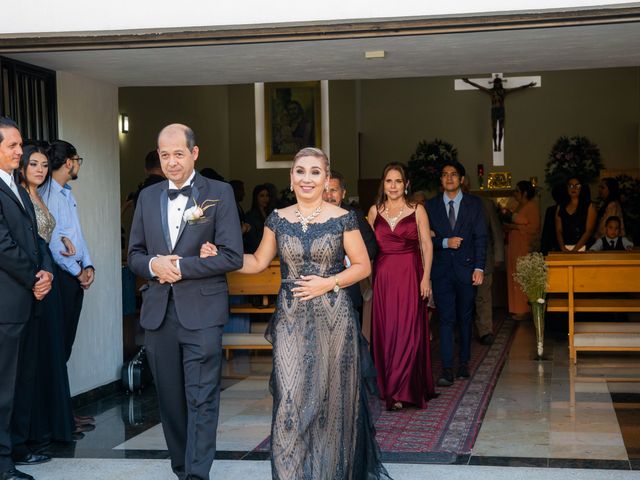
<point>322,427</point>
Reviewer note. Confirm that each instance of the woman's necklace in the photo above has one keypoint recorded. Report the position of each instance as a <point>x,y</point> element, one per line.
<point>304,221</point>
<point>394,220</point>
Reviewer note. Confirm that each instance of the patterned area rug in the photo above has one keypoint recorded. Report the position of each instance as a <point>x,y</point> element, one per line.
<point>451,421</point>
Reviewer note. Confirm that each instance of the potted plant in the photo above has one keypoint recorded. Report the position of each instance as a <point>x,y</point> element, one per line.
<point>531,274</point>
<point>571,156</point>
<point>425,164</point>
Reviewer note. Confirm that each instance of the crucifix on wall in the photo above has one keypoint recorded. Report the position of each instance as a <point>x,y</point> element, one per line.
<point>495,88</point>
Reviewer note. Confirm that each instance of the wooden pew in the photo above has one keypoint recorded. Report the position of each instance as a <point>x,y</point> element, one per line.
<point>265,284</point>
<point>584,282</point>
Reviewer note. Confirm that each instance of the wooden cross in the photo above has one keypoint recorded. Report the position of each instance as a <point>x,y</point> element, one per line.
<point>497,87</point>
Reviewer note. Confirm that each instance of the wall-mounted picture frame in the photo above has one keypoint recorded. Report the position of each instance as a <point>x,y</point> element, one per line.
<point>292,119</point>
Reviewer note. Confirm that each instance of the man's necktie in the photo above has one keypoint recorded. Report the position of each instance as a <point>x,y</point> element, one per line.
<point>452,215</point>
<point>613,244</point>
<point>174,192</point>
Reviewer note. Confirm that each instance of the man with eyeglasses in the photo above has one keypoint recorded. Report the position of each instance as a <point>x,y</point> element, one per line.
<point>76,269</point>
<point>459,255</point>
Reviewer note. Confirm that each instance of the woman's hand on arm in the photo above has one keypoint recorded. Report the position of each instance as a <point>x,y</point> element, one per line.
<point>70,249</point>
<point>252,263</point>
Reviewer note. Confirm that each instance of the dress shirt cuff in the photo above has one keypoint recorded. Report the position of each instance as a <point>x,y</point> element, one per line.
<point>153,275</point>
<point>74,269</point>
<point>178,266</point>
<point>479,270</point>
<point>445,243</point>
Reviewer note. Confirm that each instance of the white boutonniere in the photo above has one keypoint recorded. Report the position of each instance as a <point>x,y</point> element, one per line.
<point>195,214</point>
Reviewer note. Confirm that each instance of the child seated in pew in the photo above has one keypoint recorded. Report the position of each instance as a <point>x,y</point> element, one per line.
<point>611,240</point>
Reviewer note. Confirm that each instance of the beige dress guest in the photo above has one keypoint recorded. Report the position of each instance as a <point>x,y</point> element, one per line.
<point>520,239</point>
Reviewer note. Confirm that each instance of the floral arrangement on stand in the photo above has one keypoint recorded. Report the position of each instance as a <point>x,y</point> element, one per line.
<point>630,202</point>
<point>531,275</point>
<point>425,164</point>
<point>573,156</point>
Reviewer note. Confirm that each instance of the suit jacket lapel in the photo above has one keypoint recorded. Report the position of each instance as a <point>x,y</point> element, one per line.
<point>164,201</point>
<point>26,200</point>
<point>462,213</point>
<point>5,188</point>
<point>190,203</point>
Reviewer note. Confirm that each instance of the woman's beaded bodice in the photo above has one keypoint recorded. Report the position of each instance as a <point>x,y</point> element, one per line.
<point>46,222</point>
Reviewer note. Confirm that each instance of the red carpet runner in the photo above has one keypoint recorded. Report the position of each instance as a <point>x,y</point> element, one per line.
<point>452,420</point>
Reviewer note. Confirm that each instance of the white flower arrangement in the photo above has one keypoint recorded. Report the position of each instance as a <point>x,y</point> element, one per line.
<point>531,274</point>
<point>196,213</point>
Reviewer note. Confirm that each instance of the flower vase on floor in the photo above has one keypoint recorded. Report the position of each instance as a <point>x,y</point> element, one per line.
<point>537,311</point>
<point>531,274</point>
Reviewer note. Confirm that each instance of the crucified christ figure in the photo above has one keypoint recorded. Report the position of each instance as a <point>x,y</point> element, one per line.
<point>497,94</point>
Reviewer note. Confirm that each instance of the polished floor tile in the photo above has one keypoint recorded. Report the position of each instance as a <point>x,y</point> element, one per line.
<point>543,415</point>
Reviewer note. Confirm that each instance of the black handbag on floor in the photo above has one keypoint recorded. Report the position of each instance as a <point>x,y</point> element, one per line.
<point>136,373</point>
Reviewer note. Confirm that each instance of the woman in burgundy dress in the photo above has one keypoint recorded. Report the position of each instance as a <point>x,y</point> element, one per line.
<point>401,286</point>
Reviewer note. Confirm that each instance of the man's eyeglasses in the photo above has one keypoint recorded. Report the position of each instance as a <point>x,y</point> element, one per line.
<point>449,175</point>
<point>78,159</point>
<point>575,186</point>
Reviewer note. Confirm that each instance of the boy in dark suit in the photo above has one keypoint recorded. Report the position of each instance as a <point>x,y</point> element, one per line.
<point>459,255</point>
<point>611,240</point>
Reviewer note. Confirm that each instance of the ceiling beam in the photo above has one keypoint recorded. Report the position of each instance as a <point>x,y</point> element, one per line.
<point>314,31</point>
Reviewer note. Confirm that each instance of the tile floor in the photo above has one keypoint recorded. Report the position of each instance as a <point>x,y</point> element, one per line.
<point>547,418</point>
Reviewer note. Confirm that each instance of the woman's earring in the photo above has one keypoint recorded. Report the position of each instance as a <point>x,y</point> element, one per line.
<point>326,187</point>
<point>406,191</point>
<point>291,187</point>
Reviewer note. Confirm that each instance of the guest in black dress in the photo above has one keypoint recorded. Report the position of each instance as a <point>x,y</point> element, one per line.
<point>52,415</point>
<point>576,218</point>
<point>260,210</point>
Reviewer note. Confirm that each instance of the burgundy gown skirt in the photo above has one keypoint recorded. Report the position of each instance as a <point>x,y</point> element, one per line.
<point>400,323</point>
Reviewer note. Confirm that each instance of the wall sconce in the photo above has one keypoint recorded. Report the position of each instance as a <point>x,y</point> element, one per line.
<point>124,123</point>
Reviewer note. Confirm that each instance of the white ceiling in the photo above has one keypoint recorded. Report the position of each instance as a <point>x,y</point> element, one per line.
<point>566,48</point>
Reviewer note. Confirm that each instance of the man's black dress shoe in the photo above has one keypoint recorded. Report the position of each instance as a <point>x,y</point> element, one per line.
<point>446,379</point>
<point>14,474</point>
<point>487,339</point>
<point>31,459</point>
<point>463,371</point>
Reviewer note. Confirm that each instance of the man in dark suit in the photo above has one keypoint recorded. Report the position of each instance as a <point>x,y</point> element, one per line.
<point>185,301</point>
<point>24,278</point>
<point>335,193</point>
<point>459,247</point>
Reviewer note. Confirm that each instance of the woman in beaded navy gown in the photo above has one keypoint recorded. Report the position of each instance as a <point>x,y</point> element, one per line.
<point>321,427</point>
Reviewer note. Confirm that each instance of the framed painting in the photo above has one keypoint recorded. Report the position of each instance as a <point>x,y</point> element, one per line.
<point>292,119</point>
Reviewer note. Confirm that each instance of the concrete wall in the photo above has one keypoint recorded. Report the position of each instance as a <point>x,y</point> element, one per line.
<point>87,116</point>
